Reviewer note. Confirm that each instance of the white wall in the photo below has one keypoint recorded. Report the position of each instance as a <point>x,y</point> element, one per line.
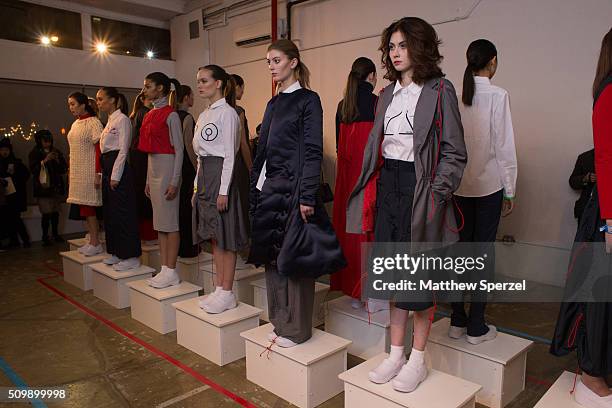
<point>34,62</point>
<point>189,53</point>
<point>547,53</point>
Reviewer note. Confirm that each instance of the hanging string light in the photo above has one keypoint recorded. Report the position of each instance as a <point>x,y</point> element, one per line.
<point>17,130</point>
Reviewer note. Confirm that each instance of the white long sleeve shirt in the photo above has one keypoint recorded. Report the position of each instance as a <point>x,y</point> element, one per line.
<point>117,135</point>
<point>489,139</point>
<point>398,139</point>
<point>217,133</point>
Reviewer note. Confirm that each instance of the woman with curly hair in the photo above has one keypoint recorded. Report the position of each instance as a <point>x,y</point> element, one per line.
<point>411,166</point>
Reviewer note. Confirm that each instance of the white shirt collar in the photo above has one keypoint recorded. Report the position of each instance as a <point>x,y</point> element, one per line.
<point>293,87</point>
<point>114,115</point>
<point>482,80</point>
<point>220,102</point>
<point>413,88</point>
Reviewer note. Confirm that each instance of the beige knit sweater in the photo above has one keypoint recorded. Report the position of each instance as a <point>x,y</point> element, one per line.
<point>82,137</point>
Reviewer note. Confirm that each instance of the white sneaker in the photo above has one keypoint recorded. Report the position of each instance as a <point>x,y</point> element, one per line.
<point>83,248</point>
<point>111,260</point>
<point>204,301</point>
<point>284,342</point>
<point>93,250</point>
<point>220,303</point>
<point>409,377</point>
<point>456,332</point>
<point>356,304</point>
<point>167,277</point>
<point>588,399</point>
<point>272,336</point>
<point>386,370</point>
<point>488,336</point>
<point>127,264</point>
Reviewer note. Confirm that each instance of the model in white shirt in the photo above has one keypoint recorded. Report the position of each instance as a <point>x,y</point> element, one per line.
<point>217,133</point>
<point>119,200</point>
<point>398,141</point>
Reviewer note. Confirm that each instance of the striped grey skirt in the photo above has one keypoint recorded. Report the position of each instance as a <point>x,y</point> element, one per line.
<point>229,229</point>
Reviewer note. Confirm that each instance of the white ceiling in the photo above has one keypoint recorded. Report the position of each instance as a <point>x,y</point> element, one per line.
<point>162,10</point>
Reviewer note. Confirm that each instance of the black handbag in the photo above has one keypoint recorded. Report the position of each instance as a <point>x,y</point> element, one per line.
<point>309,249</point>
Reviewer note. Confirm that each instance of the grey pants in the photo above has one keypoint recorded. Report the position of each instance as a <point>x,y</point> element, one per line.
<point>290,303</point>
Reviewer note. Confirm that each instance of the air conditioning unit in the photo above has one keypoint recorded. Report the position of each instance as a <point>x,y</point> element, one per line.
<point>253,34</point>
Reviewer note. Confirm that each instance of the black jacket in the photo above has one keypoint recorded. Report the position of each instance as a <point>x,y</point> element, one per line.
<point>55,168</point>
<point>366,105</point>
<point>286,114</point>
<point>584,164</point>
<point>17,201</point>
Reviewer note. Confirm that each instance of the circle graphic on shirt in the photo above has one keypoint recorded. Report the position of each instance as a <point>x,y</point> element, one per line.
<point>209,132</point>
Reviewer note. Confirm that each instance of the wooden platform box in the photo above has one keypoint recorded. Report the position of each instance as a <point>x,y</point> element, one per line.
<point>558,396</point>
<point>151,256</point>
<point>77,269</point>
<point>245,274</point>
<point>189,268</point>
<point>110,285</point>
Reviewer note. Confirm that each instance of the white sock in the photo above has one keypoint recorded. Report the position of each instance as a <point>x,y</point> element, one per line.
<point>417,357</point>
<point>218,289</point>
<point>224,292</point>
<point>169,270</point>
<point>163,268</point>
<point>396,353</point>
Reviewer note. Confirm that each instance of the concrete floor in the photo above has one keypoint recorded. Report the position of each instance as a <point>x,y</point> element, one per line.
<point>48,341</point>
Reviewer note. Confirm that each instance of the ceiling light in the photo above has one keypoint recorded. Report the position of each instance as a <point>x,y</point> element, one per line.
<point>150,54</point>
<point>101,47</point>
<point>45,40</point>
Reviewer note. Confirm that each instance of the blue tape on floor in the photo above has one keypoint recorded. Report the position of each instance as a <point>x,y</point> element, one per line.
<point>512,332</point>
<point>19,383</point>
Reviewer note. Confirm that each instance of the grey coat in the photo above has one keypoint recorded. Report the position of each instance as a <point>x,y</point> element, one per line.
<point>433,217</point>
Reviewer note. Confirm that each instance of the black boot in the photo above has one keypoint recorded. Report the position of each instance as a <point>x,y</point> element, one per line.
<point>44,223</point>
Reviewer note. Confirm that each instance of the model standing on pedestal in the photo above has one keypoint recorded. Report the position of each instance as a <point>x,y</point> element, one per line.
<point>118,195</point>
<point>188,248</point>
<point>84,179</point>
<point>244,159</point>
<point>285,195</point>
<point>217,201</point>
<point>161,136</point>
<point>587,326</point>
<point>410,198</point>
<point>139,164</point>
<point>354,121</point>
<point>49,192</point>
<point>489,180</point>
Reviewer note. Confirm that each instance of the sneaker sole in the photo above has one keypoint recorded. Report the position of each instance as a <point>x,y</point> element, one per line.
<point>224,310</point>
<point>174,283</point>
<point>404,390</point>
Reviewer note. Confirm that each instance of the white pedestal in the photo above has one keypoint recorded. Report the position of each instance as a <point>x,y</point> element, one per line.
<point>151,256</point>
<point>439,390</point>
<point>558,396</point>
<point>110,285</point>
<point>305,375</point>
<point>77,269</point>
<point>153,307</point>
<point>189,268</point>
<point>215,337</point>
<point>245,274</point>
<point>498,365</point>
<point>370,334</point>
<point>260,300</point>
<point>76,243</point>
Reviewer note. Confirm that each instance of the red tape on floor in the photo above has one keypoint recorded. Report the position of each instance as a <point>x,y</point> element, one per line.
<point>151,348</point>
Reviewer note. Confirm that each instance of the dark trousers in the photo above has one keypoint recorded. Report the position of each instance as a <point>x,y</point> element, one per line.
<point>53,219</point>
<point>120,212</point>
<point>290,303</point>
<point>16,228</point>
<point>481,218</point>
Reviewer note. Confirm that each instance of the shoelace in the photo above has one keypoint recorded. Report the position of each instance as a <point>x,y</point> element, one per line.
<point>269,348</point>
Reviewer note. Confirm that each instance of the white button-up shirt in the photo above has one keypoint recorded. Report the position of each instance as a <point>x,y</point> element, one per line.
<point>217,133</point>
<point>489,139</point>
<point>262,175</point>
<point>398,141</point>
<point>117,135</point>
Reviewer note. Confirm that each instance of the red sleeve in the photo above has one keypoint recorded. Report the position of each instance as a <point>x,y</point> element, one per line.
<point>98,154</point>
<point>602,140</point>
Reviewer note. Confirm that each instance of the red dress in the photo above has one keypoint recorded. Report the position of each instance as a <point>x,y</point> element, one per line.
<point>351,141</point>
